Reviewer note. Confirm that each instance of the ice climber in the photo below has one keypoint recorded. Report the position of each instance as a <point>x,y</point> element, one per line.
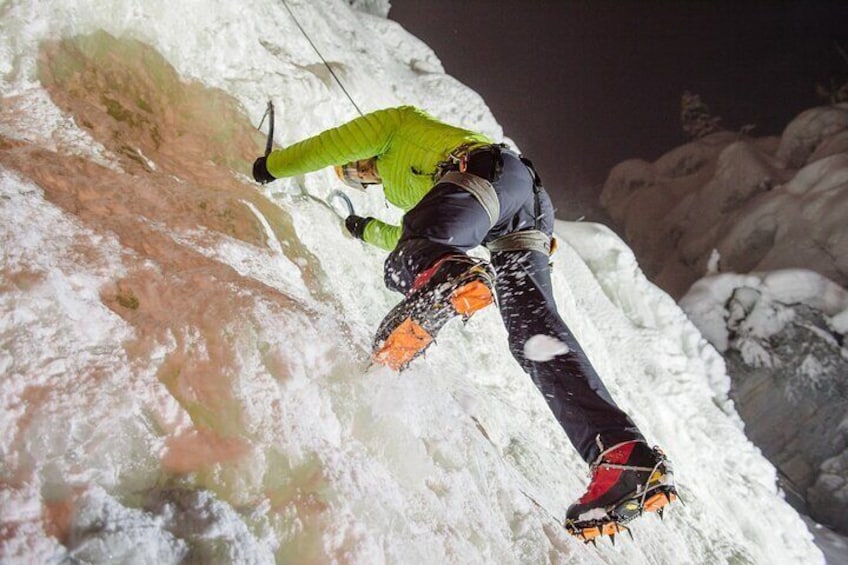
<point>458,190</point>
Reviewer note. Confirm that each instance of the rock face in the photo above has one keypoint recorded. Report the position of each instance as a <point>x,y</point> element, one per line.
<point>758,203</point>
<point>788,364</point>
<point>794,398</point>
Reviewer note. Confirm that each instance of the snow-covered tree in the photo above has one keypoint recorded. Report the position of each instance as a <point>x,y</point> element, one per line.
<point>695,116</point>
<point>836,90</point>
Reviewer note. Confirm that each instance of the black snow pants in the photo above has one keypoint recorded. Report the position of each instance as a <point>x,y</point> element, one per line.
<point>448,220</point>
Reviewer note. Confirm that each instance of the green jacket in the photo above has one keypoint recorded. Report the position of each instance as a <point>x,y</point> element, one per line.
<point>408,143</point>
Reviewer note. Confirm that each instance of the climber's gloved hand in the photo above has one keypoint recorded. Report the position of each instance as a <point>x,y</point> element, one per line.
<point>356,225</point>
<point>260,172</point>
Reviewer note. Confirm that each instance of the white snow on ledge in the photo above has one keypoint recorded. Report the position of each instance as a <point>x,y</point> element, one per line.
<point>706,301</point>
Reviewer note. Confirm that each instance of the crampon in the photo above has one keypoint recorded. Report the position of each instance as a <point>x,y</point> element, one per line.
<point>614,521</point>
<point>455,286</point>
<point>642,489</point>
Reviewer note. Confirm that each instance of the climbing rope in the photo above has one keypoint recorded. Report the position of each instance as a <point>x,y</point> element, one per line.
<point>326,64</point>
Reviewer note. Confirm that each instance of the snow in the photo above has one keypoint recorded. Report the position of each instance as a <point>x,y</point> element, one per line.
<point>184,354</point>
<point>544,348</point>
<point>705,302</point>
<point>783,336</point>
<point>761,204</point>
<point>801,143</point>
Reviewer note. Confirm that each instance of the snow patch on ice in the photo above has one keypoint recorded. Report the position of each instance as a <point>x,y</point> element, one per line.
<point>173,527</point>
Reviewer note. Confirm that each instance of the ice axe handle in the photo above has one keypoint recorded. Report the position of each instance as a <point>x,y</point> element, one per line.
<point>269,113</point>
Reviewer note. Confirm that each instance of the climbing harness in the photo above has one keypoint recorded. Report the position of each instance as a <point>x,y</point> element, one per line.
<point>453,170</point>
<point>481,189</point>
<point>533,240</point>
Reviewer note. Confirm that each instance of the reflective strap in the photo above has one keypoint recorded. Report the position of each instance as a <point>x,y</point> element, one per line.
<point>532,240</point>
<point>480,188</point>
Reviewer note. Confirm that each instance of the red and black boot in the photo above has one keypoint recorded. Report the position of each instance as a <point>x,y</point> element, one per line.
<point>627,479</point>
<point>456,285</point>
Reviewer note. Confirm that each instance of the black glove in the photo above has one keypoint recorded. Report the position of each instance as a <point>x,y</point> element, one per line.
<point>260,172</point>
<point>356,225</point>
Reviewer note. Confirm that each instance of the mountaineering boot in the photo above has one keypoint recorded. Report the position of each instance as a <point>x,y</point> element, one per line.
<point>456,285</point>
<point>627,479</point>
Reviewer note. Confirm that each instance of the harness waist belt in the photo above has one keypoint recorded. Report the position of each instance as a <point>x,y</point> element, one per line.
<point>457,158</point>
<point>466,149</point>
<point>480,188</point>
<point>532,240</point>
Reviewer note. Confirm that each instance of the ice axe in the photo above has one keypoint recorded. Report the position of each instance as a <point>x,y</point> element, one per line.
<point>269,113</point>
<point>269,145</point>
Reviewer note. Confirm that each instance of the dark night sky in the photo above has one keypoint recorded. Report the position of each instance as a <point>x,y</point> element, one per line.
<point>582,86</point>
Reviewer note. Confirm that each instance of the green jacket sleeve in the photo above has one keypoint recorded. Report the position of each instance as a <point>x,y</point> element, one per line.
<point>362,138</point>
<point>381,234</point>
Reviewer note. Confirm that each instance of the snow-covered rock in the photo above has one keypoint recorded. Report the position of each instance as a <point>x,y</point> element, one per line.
<point>759,203</point>
<point>782,337</point>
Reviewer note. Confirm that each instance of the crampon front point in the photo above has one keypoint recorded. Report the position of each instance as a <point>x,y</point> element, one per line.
<point>615,518</point>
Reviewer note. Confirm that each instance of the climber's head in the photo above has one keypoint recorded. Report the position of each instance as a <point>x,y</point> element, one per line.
<point>359,174</point>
